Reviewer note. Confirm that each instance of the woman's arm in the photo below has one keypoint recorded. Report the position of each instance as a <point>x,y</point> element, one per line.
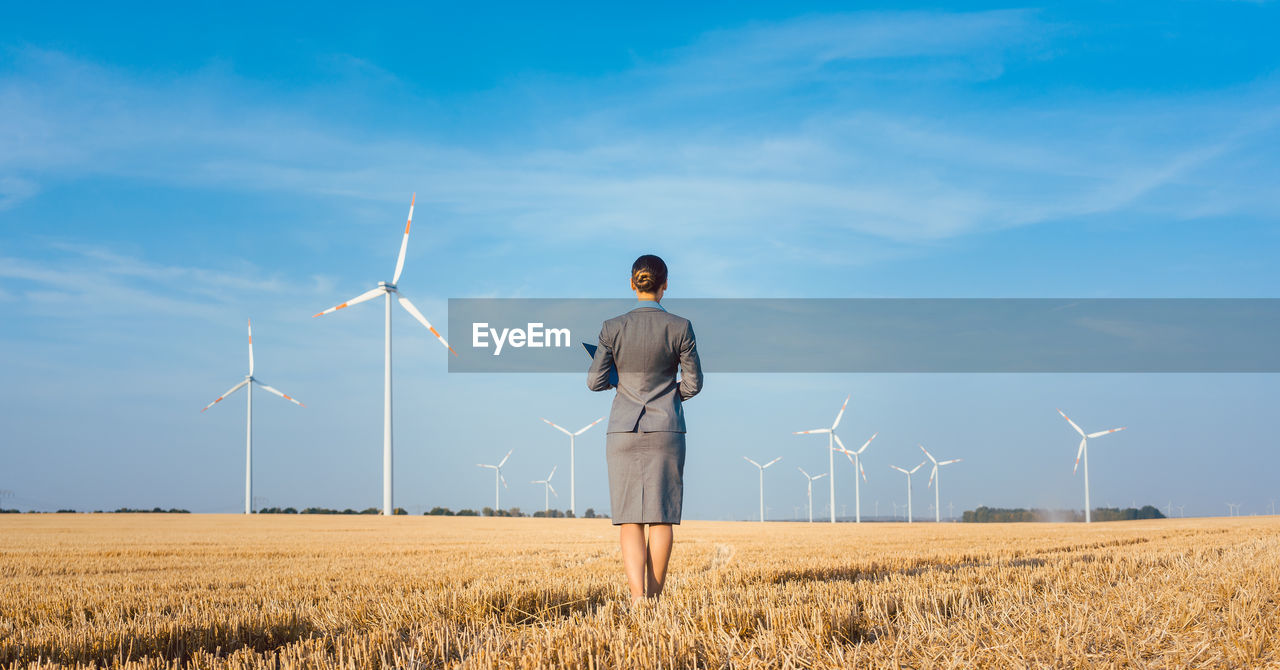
<point>602,365</point>
<point>690,366</point>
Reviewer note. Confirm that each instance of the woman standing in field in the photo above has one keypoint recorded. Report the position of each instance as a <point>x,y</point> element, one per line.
<point>645,442</point>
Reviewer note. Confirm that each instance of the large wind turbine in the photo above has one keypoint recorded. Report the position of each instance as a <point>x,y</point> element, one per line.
<point>762,467</point>
<point>573,501</point>
<point>857,469</point>
<point>937,505</point>
<point>908,473</point>
<point>548,490</point>
<point>386,289</point>
<point>1084,451</point>
<point>497,477</point>
<point>811,479</point>
<point>248,381</point>
<point>831,454</point>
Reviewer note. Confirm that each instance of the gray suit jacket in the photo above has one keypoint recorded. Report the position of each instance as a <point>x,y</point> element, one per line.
<point>646,346</point>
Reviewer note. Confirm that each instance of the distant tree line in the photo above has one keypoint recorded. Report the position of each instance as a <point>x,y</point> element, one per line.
<point>1021,515</point>
<point>122,510</point>
<point>514,511</point>
<point>326,510</point>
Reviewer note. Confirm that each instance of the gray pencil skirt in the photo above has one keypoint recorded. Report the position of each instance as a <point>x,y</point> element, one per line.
<point>646,476</point>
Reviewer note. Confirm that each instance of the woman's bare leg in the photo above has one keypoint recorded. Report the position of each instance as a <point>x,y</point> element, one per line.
<point>660,540</point>
<point>634,558</point>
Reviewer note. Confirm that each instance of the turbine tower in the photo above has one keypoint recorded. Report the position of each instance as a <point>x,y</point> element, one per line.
<point>497,477</point>
<point>386,289</point>
<point>573,501</point>
<point>248,381</point>
<point>1084,451</point>
<point>547,491</point>
<point>831,454</point>
<point>762,467</point>
<point>908,473</point>
<point>937,506</point>
<point>811,479</point>
<point>857,469</point>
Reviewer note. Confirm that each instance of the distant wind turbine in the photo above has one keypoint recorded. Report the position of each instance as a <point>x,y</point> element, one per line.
<point>548,489</point>
<point>497,477</point>
<point>1084,451</point>
<point>573,501</point>
<point>248,382</point>
<point>908,473</point>
<point>386,289</point>
<point>762,467</point>
<point>857,469</point>
<point>831,454</point>
<point>811,479</point>
<point>937,507</point>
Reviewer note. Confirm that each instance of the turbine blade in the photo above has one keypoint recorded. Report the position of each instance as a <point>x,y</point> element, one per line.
<point>771,462</point>
<point>503,480</point>
<point>250,347</point>
<point>900,469</point>
<point>233,390</point>
<point>954,460</point>
<point>556,427</point>
<point>367,295</point>
<point>842,448</point>
<point>933,473</point>
<point>913,470</point>
<point>840,414</point>
<point>806,475</point>
<point>1073,423</point>
<point>1097,434</point>
<point>864,447</point>
<point>276,391</point>
<point>863,470</point>
<point>413,311</point>
<point>404,244</point>
<point>552,489</point>
<point>589,426</point>
<point>817,477</point>
<point>1079,452</point>
<point>504,458</point>
<point>810,432</point>
<point>752,462</point>
<point>553,473</point>
<point>926,453</point>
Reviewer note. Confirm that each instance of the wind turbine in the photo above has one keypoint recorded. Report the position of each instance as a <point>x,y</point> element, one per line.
<point>908,473</point>
<point>1084,451</point>
<point>548,490</point>
<point>937,507</point>
<point>248,381</point>
<point>386,289</point>
<point>857,469</point>
<point>831,454</point>
<point>811,479</point>
<point>497,477</point>
<point>762,467</point>
<point>573,504</point>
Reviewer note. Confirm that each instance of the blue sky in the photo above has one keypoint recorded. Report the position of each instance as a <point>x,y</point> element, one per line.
<point>166,173</point>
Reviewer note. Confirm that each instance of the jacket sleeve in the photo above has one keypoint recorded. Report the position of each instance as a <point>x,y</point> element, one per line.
<point>602,365</point>
<point>690,366</point>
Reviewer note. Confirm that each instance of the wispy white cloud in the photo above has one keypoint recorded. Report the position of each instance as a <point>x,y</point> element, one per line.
<point>847,163</point>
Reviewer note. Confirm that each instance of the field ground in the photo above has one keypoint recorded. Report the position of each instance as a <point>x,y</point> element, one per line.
<point>152,591</point>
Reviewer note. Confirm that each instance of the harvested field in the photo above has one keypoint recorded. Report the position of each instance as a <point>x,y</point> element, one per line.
<point>162,591</point>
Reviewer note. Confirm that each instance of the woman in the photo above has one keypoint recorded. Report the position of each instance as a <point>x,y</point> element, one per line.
<point>645,442</point>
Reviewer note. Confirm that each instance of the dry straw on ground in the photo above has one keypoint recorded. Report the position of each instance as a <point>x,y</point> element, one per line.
<point>160,591</point>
